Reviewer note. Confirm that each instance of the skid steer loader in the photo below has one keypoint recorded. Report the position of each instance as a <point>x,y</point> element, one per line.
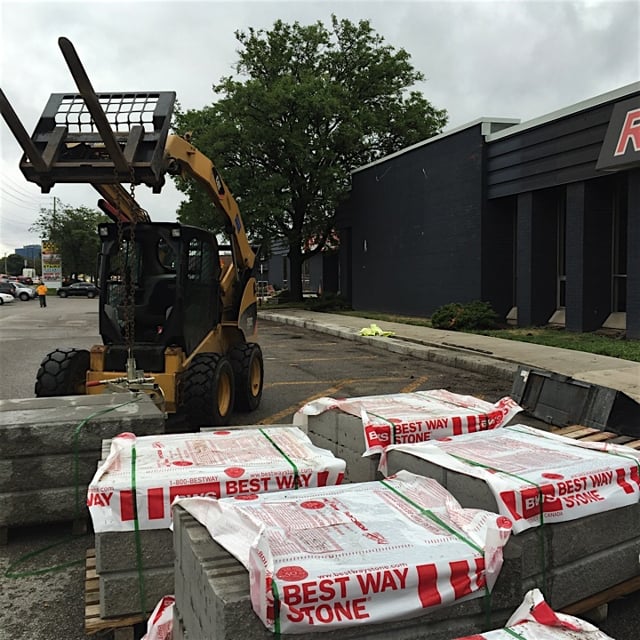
<point>175,320</point>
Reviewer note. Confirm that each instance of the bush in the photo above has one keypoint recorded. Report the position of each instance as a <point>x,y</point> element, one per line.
<point>470,316</point>
<point>327,302</point>
<point>283,296</point>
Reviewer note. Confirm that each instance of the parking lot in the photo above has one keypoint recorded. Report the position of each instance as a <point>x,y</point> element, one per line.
<point>300,365</point>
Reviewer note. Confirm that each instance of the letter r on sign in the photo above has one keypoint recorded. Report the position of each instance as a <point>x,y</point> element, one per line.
<point>630,131</point>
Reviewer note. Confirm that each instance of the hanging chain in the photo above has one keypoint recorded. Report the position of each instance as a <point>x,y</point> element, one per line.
<point>131,323</point>
<point>127,275</point>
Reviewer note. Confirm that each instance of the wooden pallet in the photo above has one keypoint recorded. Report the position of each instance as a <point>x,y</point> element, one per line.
<point>589,434</point>
<point>123,626</point>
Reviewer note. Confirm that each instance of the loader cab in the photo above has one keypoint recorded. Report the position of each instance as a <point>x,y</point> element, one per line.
<point>159,285</point>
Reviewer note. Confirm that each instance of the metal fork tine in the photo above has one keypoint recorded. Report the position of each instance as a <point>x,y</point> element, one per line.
<point>93,105</point>
<point>21,135</point>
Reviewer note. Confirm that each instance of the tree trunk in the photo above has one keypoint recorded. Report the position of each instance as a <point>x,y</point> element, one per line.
<point>295,273</point>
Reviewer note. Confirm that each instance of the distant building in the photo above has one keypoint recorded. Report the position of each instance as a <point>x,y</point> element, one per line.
<point>319,273</point>
<point>29,251</point>
<point>541,219</point>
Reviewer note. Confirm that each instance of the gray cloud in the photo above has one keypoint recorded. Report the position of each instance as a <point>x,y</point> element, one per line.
<point>516,58</point>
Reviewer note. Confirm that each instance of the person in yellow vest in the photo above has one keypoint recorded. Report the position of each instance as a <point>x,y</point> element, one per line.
<point>41,290</point>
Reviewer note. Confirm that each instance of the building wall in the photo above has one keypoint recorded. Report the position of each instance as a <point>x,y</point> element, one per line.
<point>499,225</point>
<point>412,228</point>
<point>520,218</point>
<point>277,271</point>
<point>550,154</point>
<point>548,166</point>
<point>633,255</point>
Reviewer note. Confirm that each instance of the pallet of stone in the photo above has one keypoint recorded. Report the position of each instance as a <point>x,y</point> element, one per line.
<point>535,619</point>
<point>123,557</point>
<point>123,627</point>
<point>221,463</point>
<point>119,555</point>
<point>574,559</point>
<point>339,425</point>
<point>49,449</point>
<point>213,600</point>
<point>213,597</point>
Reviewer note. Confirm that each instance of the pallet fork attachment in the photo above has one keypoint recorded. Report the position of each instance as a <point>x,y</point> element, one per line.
<point>95,138</point>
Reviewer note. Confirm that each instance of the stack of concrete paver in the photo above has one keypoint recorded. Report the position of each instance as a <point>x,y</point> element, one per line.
<point>352,427</point>
<point>127,561</point>
<point>581,558</point>
<point>342,434</point>
<point>134,569</point>
<point>122,569</point>
<point>130,582</point>
<point>213,599</point>
<point>568,560</point>
<point>49,449</point>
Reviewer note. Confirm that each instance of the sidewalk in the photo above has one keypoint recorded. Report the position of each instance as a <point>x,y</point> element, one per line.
<point>482,354</point>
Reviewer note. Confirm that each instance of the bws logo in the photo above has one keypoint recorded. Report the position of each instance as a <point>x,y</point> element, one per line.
<point>377,435</point>
<point>525,504</point>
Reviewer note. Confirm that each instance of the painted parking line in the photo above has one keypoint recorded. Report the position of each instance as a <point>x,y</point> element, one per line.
<point>340,357</point>
<point>413,386</point>
<point>331,391</point>
<point>341,383</point>
<point>328,392</point>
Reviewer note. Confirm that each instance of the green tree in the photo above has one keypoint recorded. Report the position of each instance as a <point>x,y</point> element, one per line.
<point>13,264</point>
<point>74,231</point>
<point>312,103</point>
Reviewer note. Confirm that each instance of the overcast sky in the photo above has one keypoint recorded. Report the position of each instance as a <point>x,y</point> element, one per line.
<point>512,59</point>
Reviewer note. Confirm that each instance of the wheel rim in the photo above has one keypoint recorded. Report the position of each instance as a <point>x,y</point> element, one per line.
<point>224,394</point>
<point>255,377</point>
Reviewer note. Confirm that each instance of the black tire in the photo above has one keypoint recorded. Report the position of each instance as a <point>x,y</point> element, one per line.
<point>91,294</point>
<point>248,370</point>
<point>1,301</point>
<point>24,297</point>
<point>63,373</point>
<point>62,294</point>
<point>207,393</point>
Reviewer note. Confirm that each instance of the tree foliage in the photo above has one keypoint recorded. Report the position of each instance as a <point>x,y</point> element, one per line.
<point>74,231</point>
<point>14,263</point>
<point>310,104</point>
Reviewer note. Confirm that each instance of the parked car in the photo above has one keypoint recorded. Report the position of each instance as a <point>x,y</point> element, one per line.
<point>6,297</point>
<point>9,287</point>
<point>24,292</point>
<point>79,289</point>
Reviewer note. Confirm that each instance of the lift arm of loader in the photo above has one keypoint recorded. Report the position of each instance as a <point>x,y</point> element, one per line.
<point>182,158</point>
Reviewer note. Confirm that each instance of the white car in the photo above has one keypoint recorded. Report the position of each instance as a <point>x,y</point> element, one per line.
<point>6,297</point>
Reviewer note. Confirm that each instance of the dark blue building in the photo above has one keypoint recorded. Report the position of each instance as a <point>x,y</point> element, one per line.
<point>541,219</point>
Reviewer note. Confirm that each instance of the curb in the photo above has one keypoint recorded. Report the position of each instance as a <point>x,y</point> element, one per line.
<point>450,356</point>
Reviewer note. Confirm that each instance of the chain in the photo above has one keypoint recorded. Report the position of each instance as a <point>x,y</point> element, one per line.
<point>127,271</point>
<point>131,320</point>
